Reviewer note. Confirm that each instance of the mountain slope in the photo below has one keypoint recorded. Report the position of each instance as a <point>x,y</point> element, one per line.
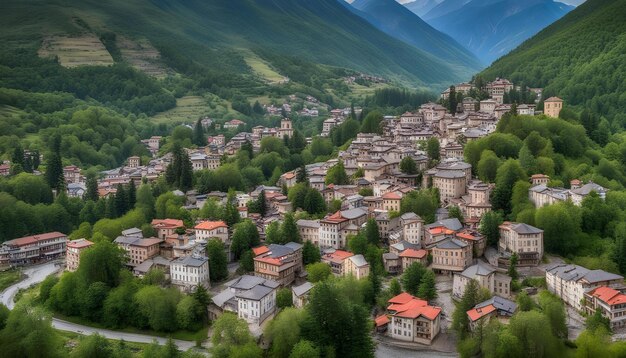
<point>322,31</point>
<point>399,22</point>
<point>581,58</point>
<point>421,7</point>
<point>491,28</point>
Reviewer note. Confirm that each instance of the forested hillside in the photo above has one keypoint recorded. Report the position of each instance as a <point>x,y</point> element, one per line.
<point>581,58</point>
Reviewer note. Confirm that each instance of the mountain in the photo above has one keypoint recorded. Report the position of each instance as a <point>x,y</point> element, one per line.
<point>219,33</point>
<point>421,7</point>
<point>492,28</point>
<point>397,21</point>
<point>581,58</point>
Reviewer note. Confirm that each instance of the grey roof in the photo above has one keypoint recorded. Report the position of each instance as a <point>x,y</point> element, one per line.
<point>522,228</point>
<point>222,297</point>
<point>403,245</point>
<point>279,250</point>
<point>480,269</point>
<point>308,223</point>
<point>390,256</point>
<point>144,266</point>
<point>450,174</point>
<point>126,240</point>
<point>256,293</point>
<point>353,213</point>
<point>245,282</point>
<point>302,289</point>
<point>501,304</point>
<point>600,275</point>
<point>451,244</point>
<point>294,246</point>
<point>453,224</point>
<point>410,216</point>
<point>358,260</point>
<point>132,232</point>
<point>588,188</point>
<point>191,261</point>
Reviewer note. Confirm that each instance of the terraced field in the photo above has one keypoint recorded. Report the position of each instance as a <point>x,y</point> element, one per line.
<point>83,50</point>
<point>143,56</point>
<point>189,108</point>
<point>263,70</point>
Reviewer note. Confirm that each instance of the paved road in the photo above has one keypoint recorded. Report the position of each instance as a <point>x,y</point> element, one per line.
<point>36,274</point>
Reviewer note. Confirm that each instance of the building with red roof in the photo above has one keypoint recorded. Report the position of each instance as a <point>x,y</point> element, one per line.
<point>33,249</point>
<point>410,319</point>
<point>166,227</point>
<point>391,201</point>
<point>335,228</point>
<point>280,263</point>
<point>74,250</point>
<point>410,256</point>
<point>206,230</point>
<point>336,260</point>
<point>610,302</point>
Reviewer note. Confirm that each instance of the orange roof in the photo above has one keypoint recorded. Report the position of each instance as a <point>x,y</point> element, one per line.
<point>553,99</point>
<point>538,176</point>
<point>210,225</point>
<point>412,253</point>
<point>477,313</point>
<point>440,230</point>
<point>381,320</point>
<point>242,208</point>
<point>27,240</point>
<point>467,236</point>
<point>609,295</point>
<point>289,175</point>
<point>147,242</point>
<point>338,256</point>
<point>392,196</point>
<point>167,223</point>
<point>336,217</point>
<point>269,260</point>
<point>259,250</point>
<point>412,307</point>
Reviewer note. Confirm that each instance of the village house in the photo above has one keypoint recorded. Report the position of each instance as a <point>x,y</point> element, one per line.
<point>486,276</point>
<point>72,174</point>
<point>357,266</point>
<point>570,282</point>
<point>189,272</point>
<point>410,319</point>
<point>440,230</point>
<point>166,227</point>
<point>280,263</point>
<point>74,249</point>
<point>309,230</point>
<point>336,260</point>
<point>552,107</point>
<point>391,201</point>
<point>392,263</point>
<point>523,239</point>
<point>610,302</point>
<point>488,105</point>
<point>233,124</point>
<point>206,230</point>
<point>335,228</point>
<point>300,294</point>
<point>252,298</point>
<point>495,307</point>
<point>451,255</point>
<point>138,248</point>
<point>578,193</point>
<point>410,256</point>
<point>33,249</point>
<point>475,239</point>
<point>134,162</point>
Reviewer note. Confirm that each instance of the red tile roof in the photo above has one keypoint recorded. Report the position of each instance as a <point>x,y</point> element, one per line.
<point>210,225</point>
<point>28,240</point>
<point>392,196</point>
<point>338,256</point>
<point>381,320</point>
<point>406,306</point>
<point>336,217</point>
<point>79,244</point>
<point>260,250</point>
<point>167,223</point>
<point>609,295</point>
<point>478,313</point>
<point>269,260</point>
<point>440,230</point>
<point>412,253</point>
<point>401,298</point>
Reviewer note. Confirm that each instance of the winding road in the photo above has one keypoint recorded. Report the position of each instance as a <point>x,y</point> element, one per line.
<point>36,274</point>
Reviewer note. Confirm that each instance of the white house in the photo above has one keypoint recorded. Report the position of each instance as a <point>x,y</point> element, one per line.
<point>189,272</point>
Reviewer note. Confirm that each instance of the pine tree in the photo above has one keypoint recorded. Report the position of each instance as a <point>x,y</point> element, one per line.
<point>131,195</point>
<point>121,200</point>
<point>186,173</point>
<point>198,134</point>
<point>452,100</point>
<point>427,290</point>
<point>110,211</point>
<point>512,271</point>
<point>371,232</point>
<point>18,155</point>
<point>289,230</point>
<point>261,204</point>
<point>310,253</point>
<point>301,176</point>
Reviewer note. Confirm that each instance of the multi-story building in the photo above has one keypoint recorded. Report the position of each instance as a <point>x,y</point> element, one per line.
<point>309,230</point>
<point>473,238</point>
<point>33,249</point>
<point>335,228</point>
<point>451,255</point>
<point>190,272</point>
<point>487,310</point>
<point>391,201</point>
<point>570,282</point>
<point>72,255</point>
<point>139,249</point>
<point>452,184</point>
<point>279,263</point>
<point>252,298</point>
<point>71,174</point>
<point>579,193</point>
<point>523,239</point>
<point>206,230</point>
<point>552,107</point>
<point>336,260</point>
<point>486,275</point>
<point>410,256</point>
<point>166,227</point>
<point>610,302</point>
<point>411,319</point>
<point>357,266</point>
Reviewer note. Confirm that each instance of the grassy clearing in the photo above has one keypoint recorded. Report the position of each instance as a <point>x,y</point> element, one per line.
<point>182,335</point>
<point>189,108</point>
<point>143,56</point>
<point>9,277</point>
<point>83,50</point>
<point>71,340</point>
<point>362,91</point>
<point>263,69</point>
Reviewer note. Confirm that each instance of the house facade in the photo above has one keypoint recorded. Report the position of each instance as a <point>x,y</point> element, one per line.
<point>523,239</point>
<point>33,249</point>
<point>189,272</point>
<point>72,255</point>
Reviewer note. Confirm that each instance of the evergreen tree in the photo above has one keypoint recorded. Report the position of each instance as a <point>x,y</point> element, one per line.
<point>337,175</point>
<point>257,108</point>
<point>110,211</point>
<point>371,232</point>
<point>198,134</point>
<point>310,253</point>
<point>246,263</point>
<point>489,227</point>
<point>408,166</point>
<point>620,249</point>
<point>289,230</point>
<point>18,155</point>
<point>218,262</point>
<point>301,176</point>
<point>427,290</point>
<point>433,149</point>
<point>121,200</point>
<point>54,168</point>
<point>460,321</point>
<point>261,204</point>
<point>412,277</point>
<point>452,100</point>
<point>186,173</point>
<point>131,195</point>
<point>455,212</point>
<point>394,287</point>
<point>92,188</point>
<point>512,271</point>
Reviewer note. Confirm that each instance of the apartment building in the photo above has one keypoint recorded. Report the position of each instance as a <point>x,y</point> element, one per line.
<point>357,266</point>
<point>410,319</point>
<point>72,255</point>
<point>309,230</point>
<point>451,255</point>
<point>190,272</point>
<point>166,227</point>
<point>33,249</point>
<point>280,263</point>
<point>206,230</point>
<point>523,239</point>
<point>252,298</point>
<point>610,302</point>
<point>486,276</point>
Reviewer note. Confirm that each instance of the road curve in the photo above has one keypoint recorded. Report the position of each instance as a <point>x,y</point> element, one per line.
<point>36,274</point>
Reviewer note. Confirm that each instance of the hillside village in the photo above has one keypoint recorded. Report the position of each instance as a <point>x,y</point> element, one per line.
<point>453,245</point>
